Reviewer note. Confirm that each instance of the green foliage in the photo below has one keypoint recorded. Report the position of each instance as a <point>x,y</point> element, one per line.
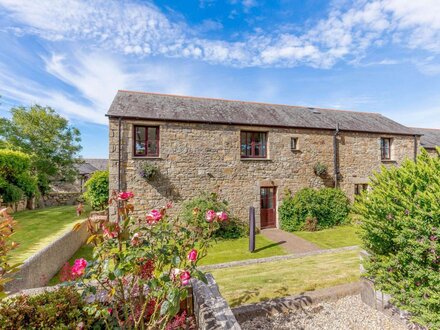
<point>97,190</point>
<point>320,169</point>
<point>16,179</point>
<point>401,229</point>
<point>47,137</point>
<point>233,228</point>
<point>148,171</point>
<point>60,309</point>
<point>329,206</point>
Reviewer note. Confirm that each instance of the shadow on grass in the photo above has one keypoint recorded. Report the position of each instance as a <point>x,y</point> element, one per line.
<point>269,246</point>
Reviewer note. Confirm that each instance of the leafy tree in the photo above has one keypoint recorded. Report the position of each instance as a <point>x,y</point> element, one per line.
<point>401,230</point>
<point>47,137</point>
<point>97,190</point>
<point>16,177</point>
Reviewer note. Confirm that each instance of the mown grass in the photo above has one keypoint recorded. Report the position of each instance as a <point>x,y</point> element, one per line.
<point>259,282</point>
<point>347,235</point>
<point>36,229</point>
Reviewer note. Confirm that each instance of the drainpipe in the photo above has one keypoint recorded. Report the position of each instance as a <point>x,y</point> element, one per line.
<point>119,153</point>
<point>415,148</point>
<point>335,155</point>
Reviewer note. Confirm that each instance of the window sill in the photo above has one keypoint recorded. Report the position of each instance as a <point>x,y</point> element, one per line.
<point>295,151</point>
<point>146,157</point>
<point>389,161</point>
<point>257,159</point>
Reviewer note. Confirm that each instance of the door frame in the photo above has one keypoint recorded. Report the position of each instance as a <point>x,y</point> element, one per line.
<point>274,203</point>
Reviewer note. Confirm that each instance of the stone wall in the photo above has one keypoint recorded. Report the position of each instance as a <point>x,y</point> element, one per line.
<point>60,198</point>
<point>38,269</point>
<point>197,158</point>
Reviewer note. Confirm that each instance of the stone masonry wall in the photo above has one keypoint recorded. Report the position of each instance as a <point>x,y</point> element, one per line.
<point>196,158</point>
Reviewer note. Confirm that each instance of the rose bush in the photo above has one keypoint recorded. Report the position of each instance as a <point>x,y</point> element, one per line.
<point>142,266</point>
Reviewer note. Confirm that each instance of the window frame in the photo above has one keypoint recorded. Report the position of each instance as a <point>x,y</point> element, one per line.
<point>146,154</point>
<point>363,186</point>
<point>383,155</point>
<point>294,141</point>
<point>263,145</point>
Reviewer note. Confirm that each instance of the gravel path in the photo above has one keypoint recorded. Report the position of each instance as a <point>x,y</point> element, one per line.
<point>348,313</point>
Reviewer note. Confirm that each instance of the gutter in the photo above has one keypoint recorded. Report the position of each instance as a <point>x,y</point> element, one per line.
<point>335,155</point>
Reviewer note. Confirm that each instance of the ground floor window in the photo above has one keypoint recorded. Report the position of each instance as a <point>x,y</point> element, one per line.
<point>359,188</point>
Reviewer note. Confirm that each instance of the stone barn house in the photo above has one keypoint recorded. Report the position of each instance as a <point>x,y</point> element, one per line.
<point>249,153</point>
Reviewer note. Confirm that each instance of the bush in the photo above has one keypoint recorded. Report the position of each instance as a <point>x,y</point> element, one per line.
<point>97,190</point>
<point>401,230</point>
<point>60,309</point>
<point>329,206</point>
<point>16,178</point>
<point>230,229</point>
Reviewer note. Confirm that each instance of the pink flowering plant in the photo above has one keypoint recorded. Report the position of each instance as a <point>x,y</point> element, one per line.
<point>142,265</point>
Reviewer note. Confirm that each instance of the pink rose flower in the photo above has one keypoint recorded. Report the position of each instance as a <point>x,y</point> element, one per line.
<point>210,216</point>
<point>78,267</point>
<point>175,273</point>
<point>223,216</point>
<point>135,240</point>
<point>169,205</point>
<point>185,277</point>
<point>125,195</point>
<point>110,234</point>
<point>154,216</point>
<point>192,255</point>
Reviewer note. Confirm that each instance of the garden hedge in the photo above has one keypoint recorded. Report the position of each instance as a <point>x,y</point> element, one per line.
<point>313,209</point>
<point>401,230</point>
<point>97,190</point>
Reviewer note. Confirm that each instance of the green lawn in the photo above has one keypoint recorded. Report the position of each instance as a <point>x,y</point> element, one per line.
<point>340,236</point>
<point>238,249</point>
<point>37,228</point>
<point>258,282</point>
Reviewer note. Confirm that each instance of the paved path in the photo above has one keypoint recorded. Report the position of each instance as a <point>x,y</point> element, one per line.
<point>290,242</point>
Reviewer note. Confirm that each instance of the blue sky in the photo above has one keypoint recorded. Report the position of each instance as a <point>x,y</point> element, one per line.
<point>366,55</point>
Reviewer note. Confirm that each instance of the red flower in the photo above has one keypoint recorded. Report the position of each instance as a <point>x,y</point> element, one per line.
<point>125,195</point>
<point>192,255</point>
<point>154,216</point>
<point>185,276</point>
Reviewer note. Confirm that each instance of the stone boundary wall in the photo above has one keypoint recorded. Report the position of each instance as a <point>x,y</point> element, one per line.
<point>38,269</point>
<point>211,310</point>
<point>286,304</point>
<point>60,198</point>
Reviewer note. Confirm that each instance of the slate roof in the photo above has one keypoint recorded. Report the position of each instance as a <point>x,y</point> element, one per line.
<point>91,165</point>
<point>164,107</point>
<point>430,138</point>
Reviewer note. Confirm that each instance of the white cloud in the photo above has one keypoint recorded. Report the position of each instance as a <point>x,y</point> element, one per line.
<point>141,29</point>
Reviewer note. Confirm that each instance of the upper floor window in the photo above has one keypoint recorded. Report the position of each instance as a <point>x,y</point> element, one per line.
<point>146,141</point>
<point>253,144</point>
<point>385,148</point>
<point>294,143</point>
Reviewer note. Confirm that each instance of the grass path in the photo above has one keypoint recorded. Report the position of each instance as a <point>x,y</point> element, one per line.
<point>341,236</point>
<point>254,283</point>
<point>36,229</point>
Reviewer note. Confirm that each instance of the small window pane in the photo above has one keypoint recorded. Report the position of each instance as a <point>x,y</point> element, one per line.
<point>294,143</point>
<point>140,141</point>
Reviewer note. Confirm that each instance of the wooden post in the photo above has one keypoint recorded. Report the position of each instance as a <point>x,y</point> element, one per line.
<point>252,229</point>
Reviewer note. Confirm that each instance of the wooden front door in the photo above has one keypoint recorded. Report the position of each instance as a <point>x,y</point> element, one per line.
<point>268,207</point>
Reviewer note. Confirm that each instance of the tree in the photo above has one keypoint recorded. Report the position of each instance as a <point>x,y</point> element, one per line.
<point>47,138</point>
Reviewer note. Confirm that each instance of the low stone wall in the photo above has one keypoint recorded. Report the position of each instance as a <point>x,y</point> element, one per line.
<point>21,205</point>
<point>287,304</point>
<point>210,308</point>
<point>60,198</point>
<point>37,270</point>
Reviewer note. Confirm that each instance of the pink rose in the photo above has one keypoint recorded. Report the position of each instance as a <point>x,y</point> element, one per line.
<point>125,195</point>
<point>174,273</point>
<point>110,234</point>
<point>223,216</point>
<point>169,205</point>
<point>185,277</point>
<point>135,240</point>
<point>154,216</point>
<point>78,267</point>
<point>210,216</point>
<point>192,255</point>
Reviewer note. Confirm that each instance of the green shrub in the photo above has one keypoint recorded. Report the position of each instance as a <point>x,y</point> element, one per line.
<point>329,206</point>
<point>97,190</point>
<point>60,309</point>
<point>401,230</point>
<point>17,180</point>
<point>233,228</point>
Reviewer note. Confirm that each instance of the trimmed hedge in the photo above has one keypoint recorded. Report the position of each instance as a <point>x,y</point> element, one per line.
<point>231,229</point>
<point>401,230</point>
<point>329,206</point>
<point>97,190</point>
